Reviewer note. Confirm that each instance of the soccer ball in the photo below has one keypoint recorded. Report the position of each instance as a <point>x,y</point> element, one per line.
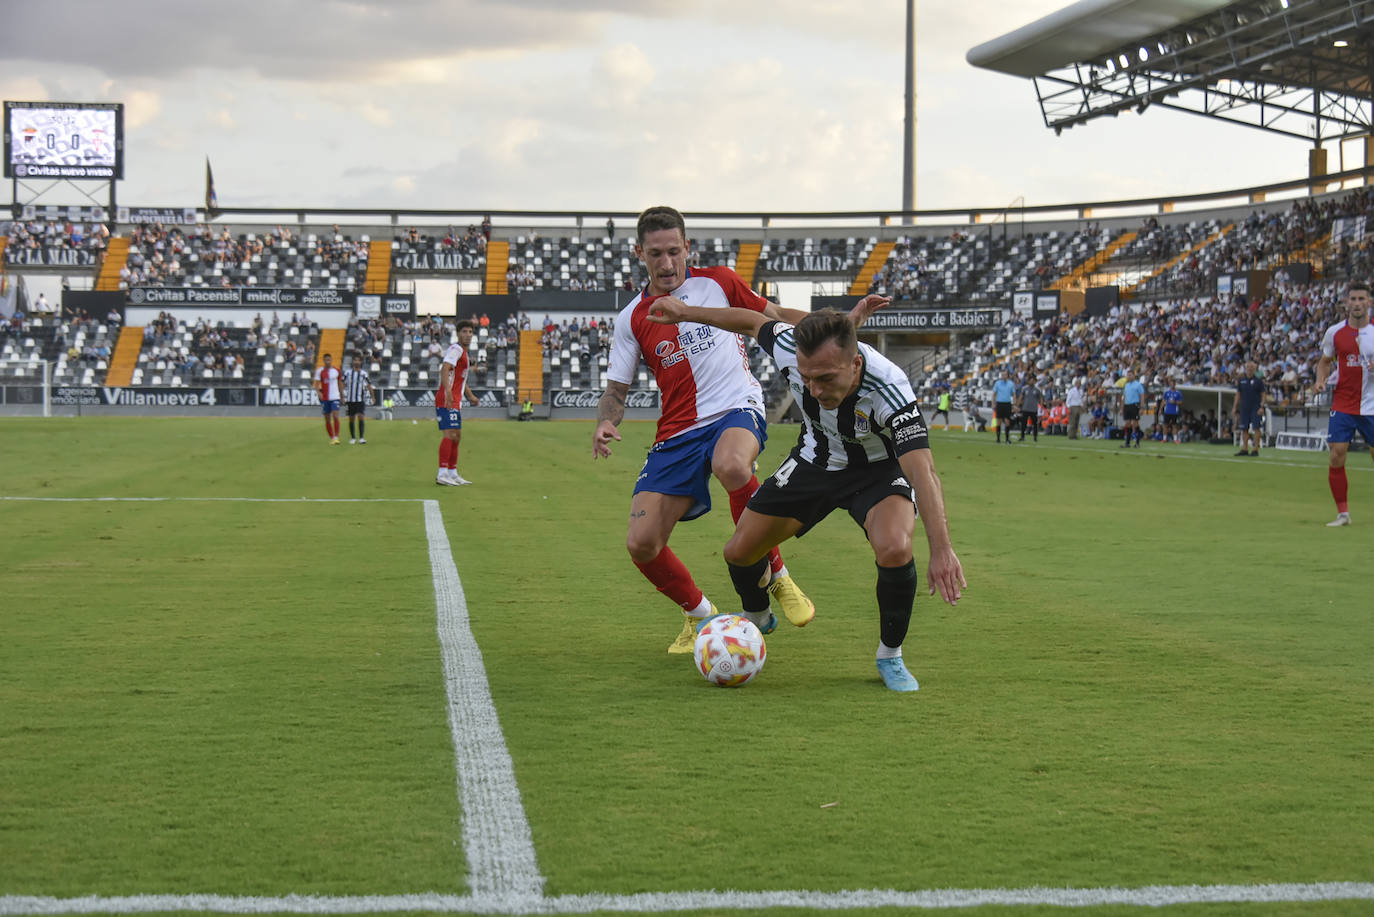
<point>729,650</point>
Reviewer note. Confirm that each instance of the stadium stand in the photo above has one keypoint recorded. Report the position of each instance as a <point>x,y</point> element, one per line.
<point>200,256</point>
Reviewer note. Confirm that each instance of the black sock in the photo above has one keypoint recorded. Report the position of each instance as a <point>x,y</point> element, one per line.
<point>361,422</point>
<point>751,584</point>
<point>350,428</point>
<point>896,594</point>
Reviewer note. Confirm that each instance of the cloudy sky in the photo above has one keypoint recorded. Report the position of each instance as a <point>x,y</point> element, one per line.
<point>725,105</point>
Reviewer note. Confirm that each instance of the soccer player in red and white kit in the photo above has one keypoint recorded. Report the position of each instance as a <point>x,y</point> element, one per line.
<point>448,404</point>
<point>327,385</point>
<point>712,419</point>
<point>1348,346</point>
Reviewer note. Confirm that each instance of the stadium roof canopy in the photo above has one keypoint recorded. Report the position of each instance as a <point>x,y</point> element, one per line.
<point>1303,68</point>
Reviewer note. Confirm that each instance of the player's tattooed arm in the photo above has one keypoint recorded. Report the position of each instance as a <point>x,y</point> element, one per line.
<point>610,411</point>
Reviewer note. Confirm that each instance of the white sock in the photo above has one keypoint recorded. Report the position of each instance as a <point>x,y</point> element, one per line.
<point>760,618</point>
<point>888,652</point>
<point>781,573</point>
<point>702,610</point>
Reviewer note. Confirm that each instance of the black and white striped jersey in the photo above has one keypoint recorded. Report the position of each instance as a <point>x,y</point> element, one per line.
<point>356,384</point>
<point>879,421</point>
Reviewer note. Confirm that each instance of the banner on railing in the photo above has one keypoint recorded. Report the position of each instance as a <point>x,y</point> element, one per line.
<point>934,320</point>
<point>50,256</point>
<point>197,398</point>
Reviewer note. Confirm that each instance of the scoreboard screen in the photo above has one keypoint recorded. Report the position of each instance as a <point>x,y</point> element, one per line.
<point>66,140</point>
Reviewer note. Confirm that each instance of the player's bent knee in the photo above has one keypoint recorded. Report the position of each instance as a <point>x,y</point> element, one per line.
<point>732,474</point>
<point>891,550</point>
<point>643,550</point>
<point>742,554</point>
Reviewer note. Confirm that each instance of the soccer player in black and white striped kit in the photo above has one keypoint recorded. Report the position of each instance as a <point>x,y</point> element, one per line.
<point>863,447</point>
<point>357,386</point>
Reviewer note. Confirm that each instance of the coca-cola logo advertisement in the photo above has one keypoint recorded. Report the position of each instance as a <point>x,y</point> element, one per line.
<point>583,399</point>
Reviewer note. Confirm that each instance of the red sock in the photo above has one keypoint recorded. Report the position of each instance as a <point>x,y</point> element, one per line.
<point>444,450</point>
<point>738,500</point>
<point>1339,487</point>
<point>335,422</point>
<point>328,427</point>
<point>669,575</point>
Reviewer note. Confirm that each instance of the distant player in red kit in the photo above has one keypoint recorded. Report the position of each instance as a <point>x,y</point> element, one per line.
<point>448,403</point>
<point>1349,347</point>
<point>327,386</point>
<point>712,420</point>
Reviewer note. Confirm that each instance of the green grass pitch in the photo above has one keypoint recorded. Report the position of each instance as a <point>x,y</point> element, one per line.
<point>1161,673</point>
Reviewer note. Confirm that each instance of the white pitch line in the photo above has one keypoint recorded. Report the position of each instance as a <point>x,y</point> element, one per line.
<point>502,868</point>
<point>968,439</point>
<point>665,902</point>
<point>213,499</point>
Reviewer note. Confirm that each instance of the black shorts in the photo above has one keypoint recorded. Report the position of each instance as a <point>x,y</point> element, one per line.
<point>1029,417</point>
<point>1003,410</point>
<point>1171,420</point>
<point>1130,412</point>
<point>354,408</point>
<point>799,490</point>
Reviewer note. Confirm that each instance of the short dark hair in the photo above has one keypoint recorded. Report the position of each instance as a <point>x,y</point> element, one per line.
<point>1359,285</point>
<point>656,218</point>
<point>826,325</point>
<point>465,323</point>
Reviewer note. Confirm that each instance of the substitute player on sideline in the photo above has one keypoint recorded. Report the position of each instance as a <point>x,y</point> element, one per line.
<point>1349,347</point>
<point>864,447</point>
<point>327,386</point>
<point>357,386</point>
<point>448,404</point>
<point>712,419</point>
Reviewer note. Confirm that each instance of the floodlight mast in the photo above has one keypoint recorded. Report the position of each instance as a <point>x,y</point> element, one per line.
<point>909,143</point>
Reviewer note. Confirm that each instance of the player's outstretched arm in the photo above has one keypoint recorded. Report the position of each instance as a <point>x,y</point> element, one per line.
<point>865,308</point>
<point>669,310</point>
<point>610,411</point>
<point>945,573</point>
<point>791,316</point>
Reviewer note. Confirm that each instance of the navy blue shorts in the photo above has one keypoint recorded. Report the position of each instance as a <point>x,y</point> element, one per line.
<point>329,407</point>
<point>1252,420</point>
<point>449,418</point>
<point>1341,427</point>
<point>681,466</point>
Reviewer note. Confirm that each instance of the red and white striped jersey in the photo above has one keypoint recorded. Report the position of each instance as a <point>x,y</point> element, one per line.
<point>1352,352</point>
<point>456,357</point>
<point>702,371</point>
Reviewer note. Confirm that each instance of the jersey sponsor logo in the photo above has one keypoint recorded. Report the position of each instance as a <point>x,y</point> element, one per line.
<point>910,417</point>
<point>689,343</point>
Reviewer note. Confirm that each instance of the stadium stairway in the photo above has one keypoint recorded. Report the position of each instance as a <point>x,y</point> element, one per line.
<point>498,259</point>
<point>1078,278</point>
<point>1128,292</point>
<point>531,378</point>
<point>378,278</point>
<point>876,259</point>
<point>747,261</point>
<point>116,256</point>
<point>331,342</point>
<point>1313,253</point>
<point>124,358</point>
